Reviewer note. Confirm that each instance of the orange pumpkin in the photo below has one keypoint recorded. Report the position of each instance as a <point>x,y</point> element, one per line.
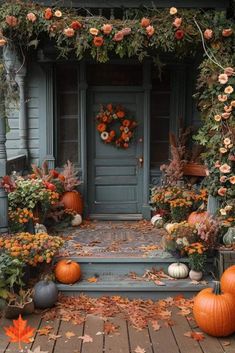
<point>73,200</point>
<point>197,217</point>
<point>67,271</point>
<point>214,311</point>
<point>228,280</point>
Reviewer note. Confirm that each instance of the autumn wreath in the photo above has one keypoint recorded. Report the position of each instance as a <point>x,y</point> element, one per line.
<point>114,126</point>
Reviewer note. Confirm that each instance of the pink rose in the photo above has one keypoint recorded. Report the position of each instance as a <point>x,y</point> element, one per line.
<point>150,31</point>
<point>69,32</point>
<point>223,78</point>
<point>107,28</point>
<point>222,191</point>
<point>229,71</point>
<point>31,17</point>
<point>208,34</point>
<point>126,31</point>
<point>177,22</point>
<point>118,37</point>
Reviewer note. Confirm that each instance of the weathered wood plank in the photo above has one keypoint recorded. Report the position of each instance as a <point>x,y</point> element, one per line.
<point>93,325</point>
<point>140,338</point>
<point>65,344</point>
<point>43,341</point>
<point>33,321</point>
<point>118,342</point>
<point>231,347</point>
<point>163,341</point>
<point>4,341</point>
<point>181,326</point>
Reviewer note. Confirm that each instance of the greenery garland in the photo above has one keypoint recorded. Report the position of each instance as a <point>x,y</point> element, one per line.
<point>141,34</point>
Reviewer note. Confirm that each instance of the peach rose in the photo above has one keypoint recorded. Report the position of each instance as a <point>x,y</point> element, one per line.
<point>145,22</point>
<point>3,42</point>
<point>217,164</point>
<point>227,32</point>
<point>229,71</point>
<point>232,104</point>
<point>126,31</point>
<point>225,168</point>
<point>48,14</point>
<point>150,31</point>
<point>76,25</point>
<point>222,97</point>
<point>107,28</point>
<point>227,141</point>
<point>223,78</point>
<point>58,13</point>
<point>228,90</point>
<point>223,150</point>
<point>177,22</point>
<point>227,108</point>
<point>31,17</point>
<point>217,117</point>
<point>69,32</point>
<point>223,179</point>
<point>98,41</point>
<point>11,21</point>
<point>118,37</point>
<point>222,191</point>
<point>232,179</point>
<point>225,115</point>
<point>94,31</point>
<point>208,34</point>
<point>173,11</point>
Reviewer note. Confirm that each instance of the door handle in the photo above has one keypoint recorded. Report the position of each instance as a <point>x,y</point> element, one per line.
<point>141,162</point>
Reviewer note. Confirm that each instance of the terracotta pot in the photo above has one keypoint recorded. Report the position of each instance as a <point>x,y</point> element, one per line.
<point>13,311</point>
<point>194,169</point>
<point>195,275</point>
<point>73,200</point>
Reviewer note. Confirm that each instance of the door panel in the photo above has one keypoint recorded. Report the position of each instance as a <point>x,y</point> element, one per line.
<point>114,175</point>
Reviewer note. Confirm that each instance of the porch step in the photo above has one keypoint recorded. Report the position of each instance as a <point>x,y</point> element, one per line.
<point>108,266</point>
<point>127,287</point>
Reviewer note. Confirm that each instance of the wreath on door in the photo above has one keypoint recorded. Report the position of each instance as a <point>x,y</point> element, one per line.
<point>114,127</point>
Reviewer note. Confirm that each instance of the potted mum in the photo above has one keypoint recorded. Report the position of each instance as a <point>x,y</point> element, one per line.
<point>197,260</point>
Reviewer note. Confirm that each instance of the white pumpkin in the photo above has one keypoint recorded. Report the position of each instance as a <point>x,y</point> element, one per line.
<point>157,221</point>
<point>169,227</point>
<point>77,220</point>
<point>178,270</point>
<point>40,228</point>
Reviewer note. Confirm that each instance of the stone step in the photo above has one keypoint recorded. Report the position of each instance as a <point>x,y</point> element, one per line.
<point>107,266</point>
<point>132,288</point>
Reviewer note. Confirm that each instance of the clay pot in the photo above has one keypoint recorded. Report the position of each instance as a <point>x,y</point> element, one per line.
<point>195,275</point>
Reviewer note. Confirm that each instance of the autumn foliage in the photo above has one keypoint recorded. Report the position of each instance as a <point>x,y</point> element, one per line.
<point>19,332</point>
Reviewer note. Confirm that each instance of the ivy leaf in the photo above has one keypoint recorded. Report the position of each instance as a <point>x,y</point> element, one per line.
<point>19,332</point>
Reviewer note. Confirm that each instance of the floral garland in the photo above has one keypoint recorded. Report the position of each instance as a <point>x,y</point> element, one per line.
<point>114,127</point>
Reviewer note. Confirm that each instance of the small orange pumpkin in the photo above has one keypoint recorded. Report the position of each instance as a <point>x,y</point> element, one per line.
<point>197,217</point>
<point>67,271</point>
<point>214,311</point>
<point>73,200</point>
<point>228,280</point>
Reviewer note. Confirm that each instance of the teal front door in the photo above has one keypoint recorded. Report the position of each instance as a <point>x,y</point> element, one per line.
<point>115,176</point>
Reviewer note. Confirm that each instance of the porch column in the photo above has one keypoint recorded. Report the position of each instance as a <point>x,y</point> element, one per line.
<point>23,132</point>
<point>3,165</point>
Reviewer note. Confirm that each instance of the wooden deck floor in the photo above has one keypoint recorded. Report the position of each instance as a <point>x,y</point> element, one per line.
<point>126,340</point>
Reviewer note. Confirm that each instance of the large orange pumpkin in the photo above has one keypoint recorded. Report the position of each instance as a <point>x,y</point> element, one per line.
<point>214,311</point>
<point>197,217</point>
<point>228,281</point>
<point>73,200</point>
<point>67,271</point>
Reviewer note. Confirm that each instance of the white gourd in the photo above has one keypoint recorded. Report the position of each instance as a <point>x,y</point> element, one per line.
<point>77,220</point>
<point>178,270</point>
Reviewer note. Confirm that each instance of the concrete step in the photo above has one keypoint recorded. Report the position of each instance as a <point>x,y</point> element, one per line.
<point>131,288</point>
<point>91,266</point>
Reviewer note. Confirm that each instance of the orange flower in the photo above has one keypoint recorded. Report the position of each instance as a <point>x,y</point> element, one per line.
<point>145,22</point>
<point>217,117</point>
<point>232,179</point>
<point>228,90</point>
<point>107,28</point>
<point>227,32</point>
<point>177,22</point>
<point>11,21</point>
<point>58,13</point>
<point>101,127</point>
<point>222,97</point>
<point>233,104</point>
<point>222,191</point>
<point>105,118</point>
<point>223,179</point>
<point>150,31</point>
<point>227,108</point>
<point>3,42</point>
<point>48,14</point>
<point>98,41</point>
<point>223,150</point>
<point>31,17</point>
<point>125,137</point>
<point>75,25</point>
<point>118,37</point>
<point>226,115</point>
<point>110,107</point>
<point>69,32</point>
<point>223,78</point>
<point>120,114</point>
<point>208,34</point>
<point>126,123</point>
<point>94,31</point>
<point>229,71</point>
<point>225,168</point>
<point>112,133</point>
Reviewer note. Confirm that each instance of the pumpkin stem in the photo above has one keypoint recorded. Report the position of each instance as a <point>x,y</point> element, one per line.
<point>68,262</point>
<point>217,288</point>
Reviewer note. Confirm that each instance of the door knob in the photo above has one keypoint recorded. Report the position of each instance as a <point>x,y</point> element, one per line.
<point>141,161</point>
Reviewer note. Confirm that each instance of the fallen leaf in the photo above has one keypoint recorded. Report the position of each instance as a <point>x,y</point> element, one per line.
<point>52,336</point>
<point>184,312</point>
<point>19,332</point>
<point>110,328</point>
<point>44,330</point>
<point>36,350</point>
<point>99,333</point>
<point>139,350</point>
<point>197,336</point>
<point>69,334</point>
<point>86,339</point>
<point>155,324</point>
<point>226,343</point>
<point>92,279</point>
